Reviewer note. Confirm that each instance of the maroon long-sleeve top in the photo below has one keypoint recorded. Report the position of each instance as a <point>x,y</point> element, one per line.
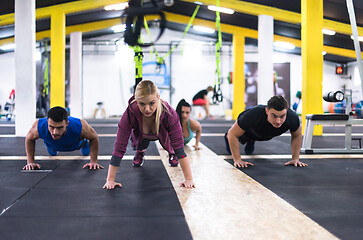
<point>170,132</point>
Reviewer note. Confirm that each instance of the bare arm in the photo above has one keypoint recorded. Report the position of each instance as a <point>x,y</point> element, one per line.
<point>187,172</point>
<point>30,139</point>
<point>296,139</point>
<point>197,128</point>
<point>111,175</point>
<point>233,134</point>
<point>89,133</point>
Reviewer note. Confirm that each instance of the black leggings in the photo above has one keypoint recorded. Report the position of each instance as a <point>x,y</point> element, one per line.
<point>143,144</point>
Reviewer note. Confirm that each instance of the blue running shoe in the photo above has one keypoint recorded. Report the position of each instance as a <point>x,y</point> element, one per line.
<point>52,152</point>
<point>249,148</point>
<point>85,148</point>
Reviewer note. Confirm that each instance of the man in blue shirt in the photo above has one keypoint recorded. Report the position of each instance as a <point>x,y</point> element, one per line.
<point>62,133</point>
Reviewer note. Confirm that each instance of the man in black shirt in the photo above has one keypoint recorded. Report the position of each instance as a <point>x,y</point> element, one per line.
<point>201,99</point>
<point>262,123</point>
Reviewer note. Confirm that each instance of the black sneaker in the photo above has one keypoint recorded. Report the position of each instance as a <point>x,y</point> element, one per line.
<point>138,159</point>
<point>227,144</point>
<point>173,160</point>
<point>249,148</point>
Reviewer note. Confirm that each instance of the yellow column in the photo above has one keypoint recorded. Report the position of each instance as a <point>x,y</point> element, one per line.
<point>238,104</point>
<point>312,59</point>
<point>57,59</point>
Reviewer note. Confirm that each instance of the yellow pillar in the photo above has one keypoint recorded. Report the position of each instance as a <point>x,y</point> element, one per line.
<point>238,104</point>
<point>312,59</point>
<point>57,57</point>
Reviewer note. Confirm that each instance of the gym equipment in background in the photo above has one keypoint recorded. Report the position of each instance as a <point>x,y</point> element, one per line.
<point>217,93</point>
<point>346,119</point>
<point>297,101</point>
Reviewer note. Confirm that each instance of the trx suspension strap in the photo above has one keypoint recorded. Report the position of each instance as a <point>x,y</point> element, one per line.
<point>161,60</point>
<point>139,56</point>
<point>46,72</point>
<point>135,14</point>
<point>217,94</point>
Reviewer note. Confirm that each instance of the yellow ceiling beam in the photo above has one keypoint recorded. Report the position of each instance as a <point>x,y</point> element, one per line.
<point>342,28</point>
<point>340,51</point>
<point>239,6</point>
<point>67,8</point>
<point>226,28</point>
<point>86,27</point>
<point>93,26</point>
<point>255,9</point>
<point>278,14</point>
<point>250,33</point>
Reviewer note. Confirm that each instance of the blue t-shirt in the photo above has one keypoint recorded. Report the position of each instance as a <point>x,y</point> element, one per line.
<point>69,142</point>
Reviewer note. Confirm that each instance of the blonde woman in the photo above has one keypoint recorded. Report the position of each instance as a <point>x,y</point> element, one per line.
<point>149,118</point>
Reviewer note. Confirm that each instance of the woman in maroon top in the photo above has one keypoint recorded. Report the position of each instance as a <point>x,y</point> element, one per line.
<point>149,118</point>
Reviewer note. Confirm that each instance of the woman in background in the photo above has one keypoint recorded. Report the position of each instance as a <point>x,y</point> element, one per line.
<point>189,126</point>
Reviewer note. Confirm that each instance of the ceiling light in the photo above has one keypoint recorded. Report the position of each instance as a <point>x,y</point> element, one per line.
<point>220,9</point>
<point>119,6</point>
<point>285,45</point>
<point>6,47</point>
<point>328,32</point>
<point>198,3</point>
<point>203,29</point>
<point>360,38</point>
<point>119,28</point>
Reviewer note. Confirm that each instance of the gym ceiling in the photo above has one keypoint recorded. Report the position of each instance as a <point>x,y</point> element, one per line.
<point>90,17</point>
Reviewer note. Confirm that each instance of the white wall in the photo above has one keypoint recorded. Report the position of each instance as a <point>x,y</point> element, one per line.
<point>7,77</point>
<point>108,76</point>
<point>331,81</point>
<point>193,69</point>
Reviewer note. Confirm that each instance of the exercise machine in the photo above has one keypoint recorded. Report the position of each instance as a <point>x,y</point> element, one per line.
<point>346,120</point>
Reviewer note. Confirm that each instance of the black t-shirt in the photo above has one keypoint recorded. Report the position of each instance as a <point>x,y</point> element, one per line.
<point>200,94</point>
<point>254,122</point>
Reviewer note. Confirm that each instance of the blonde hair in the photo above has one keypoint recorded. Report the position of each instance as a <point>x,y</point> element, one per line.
<point>146,88</point>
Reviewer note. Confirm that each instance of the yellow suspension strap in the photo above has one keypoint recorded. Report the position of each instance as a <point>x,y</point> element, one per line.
<point>160,60</point>
<point>138,58</point>
<point>134,15</point>
<point>217,94</point>
<point>46,72</point>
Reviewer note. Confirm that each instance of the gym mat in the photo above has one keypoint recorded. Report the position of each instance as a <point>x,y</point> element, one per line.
<point>91,228</point>
<point>7,130</point>
<point>11,145</point>
<point>277,145</point>
<point>69,203</point>
<point>329,191</point>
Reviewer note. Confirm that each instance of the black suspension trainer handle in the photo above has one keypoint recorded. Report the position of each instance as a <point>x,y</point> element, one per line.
<point>135,20</point>
<point>217,95</point>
